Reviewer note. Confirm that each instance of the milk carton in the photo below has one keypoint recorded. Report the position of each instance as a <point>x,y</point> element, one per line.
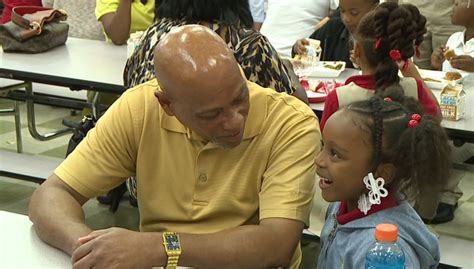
<point>313,52</point>
<point>314,49</point>
<point>453,102</point>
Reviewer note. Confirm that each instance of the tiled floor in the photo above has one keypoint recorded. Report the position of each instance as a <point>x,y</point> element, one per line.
<point>456,237</point>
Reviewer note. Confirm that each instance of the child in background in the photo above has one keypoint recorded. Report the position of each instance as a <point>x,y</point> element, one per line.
<point>376,153</point>
<point>335,35</point>
<point>384,42</point>
<point>461,42</point>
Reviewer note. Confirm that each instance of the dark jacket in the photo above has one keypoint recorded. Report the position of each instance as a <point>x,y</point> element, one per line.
<point>335,41</point>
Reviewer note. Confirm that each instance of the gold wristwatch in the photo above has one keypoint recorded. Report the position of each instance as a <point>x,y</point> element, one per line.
<point>172,248</point>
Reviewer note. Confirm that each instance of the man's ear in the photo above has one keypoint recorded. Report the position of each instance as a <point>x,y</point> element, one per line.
<point>165,102</point>
<point>385,171</point>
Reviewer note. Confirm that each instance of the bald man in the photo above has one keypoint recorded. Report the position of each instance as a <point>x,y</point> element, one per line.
<point>225,167</point>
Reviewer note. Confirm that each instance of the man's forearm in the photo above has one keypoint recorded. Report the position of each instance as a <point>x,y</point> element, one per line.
<point>249,246</point>
<point>58,218</point>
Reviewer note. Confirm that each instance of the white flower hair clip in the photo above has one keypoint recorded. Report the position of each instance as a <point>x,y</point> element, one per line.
<point>376,191</point>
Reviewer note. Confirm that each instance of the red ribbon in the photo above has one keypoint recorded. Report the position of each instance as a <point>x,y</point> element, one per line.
<point>377,43</point>
<point>414,120</point>
<point>395,55</point>
<point>405,65</point>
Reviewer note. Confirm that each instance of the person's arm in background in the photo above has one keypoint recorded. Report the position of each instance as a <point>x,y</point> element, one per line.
<point>299,92</point>
<point>412,71</point>
<point>437,57</point>
<point>257,7</point>
<point>117,24</point>
<point>319,34</point>
<point>463,62</point>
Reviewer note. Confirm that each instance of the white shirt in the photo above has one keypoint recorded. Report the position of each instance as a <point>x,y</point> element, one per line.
<point>257,8</point>
<point>456,42</point>
<point>287,21</point>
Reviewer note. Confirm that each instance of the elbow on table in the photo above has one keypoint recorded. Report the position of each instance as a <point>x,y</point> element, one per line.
<point>33,206</point>
<point>119,41</point>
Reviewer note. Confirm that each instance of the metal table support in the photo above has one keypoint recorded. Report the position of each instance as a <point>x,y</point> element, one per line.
<point>30,109</point>
<point>15,111</point>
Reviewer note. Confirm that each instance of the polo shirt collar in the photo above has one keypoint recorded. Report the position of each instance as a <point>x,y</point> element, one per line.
<point>253,125</point>
<point>257,111</point>
<point>344,217</point>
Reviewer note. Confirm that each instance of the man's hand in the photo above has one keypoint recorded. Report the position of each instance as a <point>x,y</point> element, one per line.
<point>299,46</point>
<point>437,57</point>
<point>118,248</point>
<point>463,62</point>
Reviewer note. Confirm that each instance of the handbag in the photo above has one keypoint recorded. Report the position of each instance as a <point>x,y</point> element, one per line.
<point>80,132</point>
<point>34,29</point>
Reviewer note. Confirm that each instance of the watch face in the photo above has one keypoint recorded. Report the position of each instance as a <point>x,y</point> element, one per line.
<point>172,242</point>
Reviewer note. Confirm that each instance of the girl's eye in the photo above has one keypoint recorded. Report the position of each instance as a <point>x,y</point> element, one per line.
<point>354,13</point>
<point>334,154</point>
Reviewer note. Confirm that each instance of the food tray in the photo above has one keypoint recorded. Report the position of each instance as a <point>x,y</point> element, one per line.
<point>327,69</point>
<point>435,79</point>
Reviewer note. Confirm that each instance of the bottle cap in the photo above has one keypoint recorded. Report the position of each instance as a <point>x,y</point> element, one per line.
<point>386,232</point>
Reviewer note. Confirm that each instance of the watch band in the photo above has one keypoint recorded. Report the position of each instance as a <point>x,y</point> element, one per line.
<point>172,261</point>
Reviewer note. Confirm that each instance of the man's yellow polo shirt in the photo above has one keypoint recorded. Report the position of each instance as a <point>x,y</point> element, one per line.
<point>142,14</point>
<point>188,185</point>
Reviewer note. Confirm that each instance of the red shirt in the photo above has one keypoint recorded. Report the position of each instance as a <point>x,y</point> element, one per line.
<point>331,104</point>
<point>10,4</point>
<point>344,217</point>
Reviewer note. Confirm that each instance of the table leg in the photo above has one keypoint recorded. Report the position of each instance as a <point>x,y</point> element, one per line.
<point>30,108</point>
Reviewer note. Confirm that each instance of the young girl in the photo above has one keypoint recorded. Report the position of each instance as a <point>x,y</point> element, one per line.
<point>376,153</point>
<point>385,40</point>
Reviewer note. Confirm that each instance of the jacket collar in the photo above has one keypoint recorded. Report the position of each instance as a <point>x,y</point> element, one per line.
<point>344,217</point>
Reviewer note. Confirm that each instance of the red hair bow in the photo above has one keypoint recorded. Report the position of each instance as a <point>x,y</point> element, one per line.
<point>395,55</point>
<point>414,120</point>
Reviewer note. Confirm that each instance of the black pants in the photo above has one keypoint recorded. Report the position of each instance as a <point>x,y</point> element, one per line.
<point>310,248</point>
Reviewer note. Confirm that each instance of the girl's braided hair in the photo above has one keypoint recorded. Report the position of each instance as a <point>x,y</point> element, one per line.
<point>390,27</point>
<point>420,154</point>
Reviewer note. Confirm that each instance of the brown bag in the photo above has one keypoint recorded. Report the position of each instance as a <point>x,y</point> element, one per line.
<point>34,30</point>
